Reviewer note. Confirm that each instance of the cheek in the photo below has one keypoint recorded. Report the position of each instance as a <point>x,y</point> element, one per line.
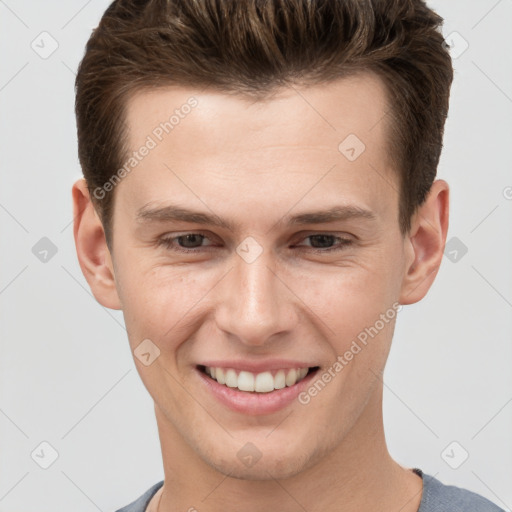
<point>165,304</point>
<point>347,300</point>
<point>158,301</point>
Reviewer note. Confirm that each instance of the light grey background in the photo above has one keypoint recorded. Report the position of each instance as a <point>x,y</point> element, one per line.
<point>66,372</point>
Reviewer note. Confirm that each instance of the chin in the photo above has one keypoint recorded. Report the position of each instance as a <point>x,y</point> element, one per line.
<point>273,464</point>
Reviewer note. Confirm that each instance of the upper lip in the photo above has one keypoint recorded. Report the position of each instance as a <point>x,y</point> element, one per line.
<point>258,366</point>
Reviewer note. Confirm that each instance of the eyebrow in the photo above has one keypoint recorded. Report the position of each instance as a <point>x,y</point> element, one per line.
<point>170,213</point>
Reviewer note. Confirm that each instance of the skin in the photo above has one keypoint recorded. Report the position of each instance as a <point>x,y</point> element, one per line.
<point>254,163</point>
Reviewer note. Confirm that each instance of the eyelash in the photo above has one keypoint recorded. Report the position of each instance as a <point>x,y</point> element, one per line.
<point>167,242</point>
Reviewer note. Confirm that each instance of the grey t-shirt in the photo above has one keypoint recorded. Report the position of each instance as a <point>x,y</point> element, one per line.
<point>436,497</point>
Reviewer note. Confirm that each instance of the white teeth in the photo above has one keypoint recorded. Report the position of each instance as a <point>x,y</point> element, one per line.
<point>280,380</point>
<point>245,381</point>
<point>220,376</point>
<point>291,377</point>
<point>263,382</point>
<point>231,378</point>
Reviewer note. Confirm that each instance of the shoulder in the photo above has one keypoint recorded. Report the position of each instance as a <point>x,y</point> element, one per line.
<point>140,504</point>
<point>438,497</point>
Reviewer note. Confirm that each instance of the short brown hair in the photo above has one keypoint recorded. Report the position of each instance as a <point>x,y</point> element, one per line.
<point>252,47</point>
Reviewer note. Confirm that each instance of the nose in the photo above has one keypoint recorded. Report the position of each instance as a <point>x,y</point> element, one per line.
<point>255,304</point>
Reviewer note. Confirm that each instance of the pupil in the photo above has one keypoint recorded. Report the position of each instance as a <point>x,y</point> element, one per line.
<point>191,238</point>
<point>325,240</point>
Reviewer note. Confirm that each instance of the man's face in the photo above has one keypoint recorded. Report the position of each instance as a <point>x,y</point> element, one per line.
<point>268,289</point>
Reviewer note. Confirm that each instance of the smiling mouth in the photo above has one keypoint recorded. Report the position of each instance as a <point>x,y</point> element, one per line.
<point>263,382</point>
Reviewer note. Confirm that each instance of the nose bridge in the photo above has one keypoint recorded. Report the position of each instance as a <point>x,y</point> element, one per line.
<point>255,305</point>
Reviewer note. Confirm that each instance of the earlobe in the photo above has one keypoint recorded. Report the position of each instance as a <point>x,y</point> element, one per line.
<point>91,247</point>
<point>425,244</point>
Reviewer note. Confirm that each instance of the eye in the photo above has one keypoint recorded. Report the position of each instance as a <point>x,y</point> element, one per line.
<point>187,242</point>
<point>194,243</point>
<point>325,242</point>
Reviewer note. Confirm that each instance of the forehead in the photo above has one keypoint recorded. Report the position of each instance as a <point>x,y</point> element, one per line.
<point>213,143</point>
<point>356,104</point>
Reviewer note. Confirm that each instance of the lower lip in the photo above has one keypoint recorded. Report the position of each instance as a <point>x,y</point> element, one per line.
<point>255,403</point>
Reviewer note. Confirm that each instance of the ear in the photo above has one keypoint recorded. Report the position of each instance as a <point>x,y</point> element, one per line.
<point>91,248</point>
<point>425,243</point>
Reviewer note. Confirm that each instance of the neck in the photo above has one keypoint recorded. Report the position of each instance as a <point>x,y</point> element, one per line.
<point>357,475</point>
